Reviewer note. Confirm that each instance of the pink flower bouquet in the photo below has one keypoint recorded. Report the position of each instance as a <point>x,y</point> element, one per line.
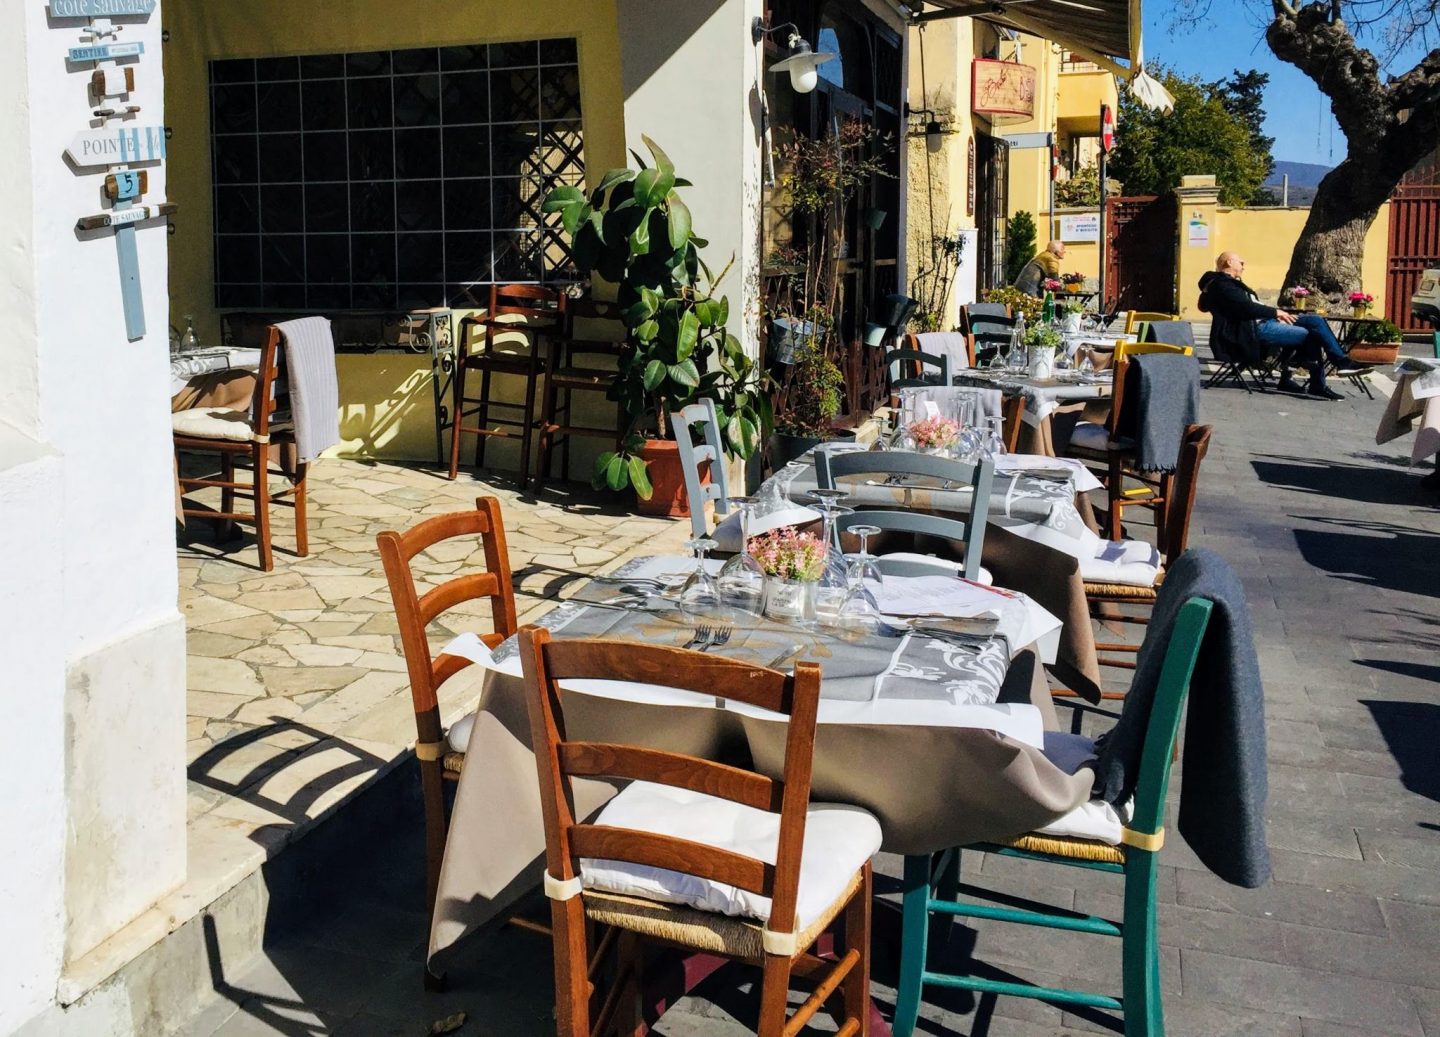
<point>789,554</point>
<point>1299,292</point>
<point>1050,284</point>
<point>935,433</point>
<point>1361,298</point>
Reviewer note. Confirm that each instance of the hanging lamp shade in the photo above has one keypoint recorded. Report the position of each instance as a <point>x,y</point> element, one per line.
<point>802,63</point>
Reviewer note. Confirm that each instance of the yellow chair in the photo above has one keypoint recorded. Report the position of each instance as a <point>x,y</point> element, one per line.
<point>1126,348</point>
<point>1135,319</point>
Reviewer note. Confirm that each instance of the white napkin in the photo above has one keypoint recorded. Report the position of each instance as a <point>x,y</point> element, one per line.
<point>937,596</point>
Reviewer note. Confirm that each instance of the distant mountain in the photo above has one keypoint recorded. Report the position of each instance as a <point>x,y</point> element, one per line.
<point>1302,174</point>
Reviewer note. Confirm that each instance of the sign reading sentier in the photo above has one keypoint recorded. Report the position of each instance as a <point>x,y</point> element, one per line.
<point>106,51</point>
<point>100,8</point>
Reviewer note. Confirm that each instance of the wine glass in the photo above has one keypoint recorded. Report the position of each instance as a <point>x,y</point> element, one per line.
<point>699,595</point>
<point>741,580</point>
<point>777,490</point>
<point>1087,361</point>
<point>860,608</point>
<point>830,594</point>
<point>909,404</point>
<point>994,436</point>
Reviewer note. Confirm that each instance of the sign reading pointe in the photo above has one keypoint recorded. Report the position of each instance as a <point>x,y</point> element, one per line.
<point>121,145</point>
<point>100,8</point>
<point>106,51</point>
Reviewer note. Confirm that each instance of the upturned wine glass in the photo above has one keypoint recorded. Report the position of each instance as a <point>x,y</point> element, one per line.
<point>741,580</point>
<point>699,595</point>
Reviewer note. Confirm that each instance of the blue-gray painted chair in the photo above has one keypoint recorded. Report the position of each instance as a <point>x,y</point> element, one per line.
<point>693,455</point>
<point>988,327</point>
<point>931,882</point>
<point>830,469</point>
<point>906,367</point>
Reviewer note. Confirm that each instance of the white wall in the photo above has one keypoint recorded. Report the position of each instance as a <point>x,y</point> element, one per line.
<point>688,73</point>
<point>93,659</point>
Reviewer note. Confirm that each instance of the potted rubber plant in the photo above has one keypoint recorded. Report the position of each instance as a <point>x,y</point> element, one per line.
<point>634,230</point>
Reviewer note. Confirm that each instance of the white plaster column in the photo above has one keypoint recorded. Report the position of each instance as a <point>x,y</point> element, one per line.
<point>91,586</point>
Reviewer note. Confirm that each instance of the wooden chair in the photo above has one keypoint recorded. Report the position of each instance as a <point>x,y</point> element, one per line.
<point>528,309</point>
<point>261,434</point>
<point>650,807</point>
<point>1126,348</point>
<point>1136,321</point>
<point>439,761</point>
<point>922,339</point>
<point>584,360</point>
<point>693,455</point>
<point>1171,332</point>
<point>830,469</point>
<point>931,890</point>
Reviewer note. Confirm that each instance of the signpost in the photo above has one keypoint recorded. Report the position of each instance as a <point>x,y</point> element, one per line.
<point>117,146</point>
<point>106,51</point>
<point>100,8</point>
<point>1107,142</point>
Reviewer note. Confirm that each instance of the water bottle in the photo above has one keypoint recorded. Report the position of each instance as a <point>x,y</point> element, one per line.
<point>1047,309</point>
<point>1017,342</point>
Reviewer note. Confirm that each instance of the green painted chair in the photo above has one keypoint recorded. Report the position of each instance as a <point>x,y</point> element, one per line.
<point>906,368</point>
<point>931,883</point>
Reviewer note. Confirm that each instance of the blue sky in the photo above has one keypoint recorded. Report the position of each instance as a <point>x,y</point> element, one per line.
<point>1297,114</point>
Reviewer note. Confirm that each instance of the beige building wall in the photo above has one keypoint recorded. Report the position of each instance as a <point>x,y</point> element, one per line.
<point>1266,237</point>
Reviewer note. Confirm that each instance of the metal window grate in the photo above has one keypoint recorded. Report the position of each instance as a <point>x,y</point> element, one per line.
<point>391,179</point>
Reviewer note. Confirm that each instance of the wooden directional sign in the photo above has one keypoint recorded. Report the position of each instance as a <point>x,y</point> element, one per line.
<point>119,217</point>
<point>118,145</point>
<point>100,8</point>
<point>106,51</point>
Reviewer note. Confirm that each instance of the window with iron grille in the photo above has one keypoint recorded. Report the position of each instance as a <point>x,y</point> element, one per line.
<point>391,179</point>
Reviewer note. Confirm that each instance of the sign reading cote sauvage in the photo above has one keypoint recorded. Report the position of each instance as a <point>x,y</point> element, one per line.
<point>100,8</point>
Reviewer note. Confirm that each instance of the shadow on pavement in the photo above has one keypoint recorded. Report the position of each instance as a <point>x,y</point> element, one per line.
<point>1411,731</point>
<point>1371,480</point>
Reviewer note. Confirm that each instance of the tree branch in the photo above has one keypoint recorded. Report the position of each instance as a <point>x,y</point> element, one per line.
<point>1320,45</point>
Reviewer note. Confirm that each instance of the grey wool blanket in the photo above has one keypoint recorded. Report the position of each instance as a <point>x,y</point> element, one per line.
<point>1162,397</point>
<point>314,390</point>
<point>1224,779</point>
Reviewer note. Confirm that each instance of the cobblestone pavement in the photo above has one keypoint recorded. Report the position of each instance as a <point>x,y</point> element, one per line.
<point>1340,553</point>
<point>297,687</point>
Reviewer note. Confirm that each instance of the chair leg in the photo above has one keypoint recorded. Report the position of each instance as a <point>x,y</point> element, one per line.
<point>261,455</point>
<point>547,437</point>
<point>527,425</point>
<point>227,495</point>
<point>483,418</point>
<point>1117,496</point>
<point>774,996</point>
<point>572,984</point>
<point>1140,950</point>
<point>914,937</point>
<point>457,384</point>
<point>432,793</point>
<point>856,985</point>
<point>302,531</point>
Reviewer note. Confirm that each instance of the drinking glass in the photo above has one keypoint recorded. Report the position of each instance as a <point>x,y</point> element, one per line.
<point>699,595</point>
<point>909,404</point>
<point>860,607</point>
<point>994,436</point>
<point>777,490</point>
<point>830,594</point>
<point>741,580</point>
<point>1087,361</point>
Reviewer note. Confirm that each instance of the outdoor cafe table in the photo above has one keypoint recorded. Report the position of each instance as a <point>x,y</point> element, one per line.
<point>211,378</point>
<point>1416,395</point>
<point>904,732</point>
<point>1052,405</point>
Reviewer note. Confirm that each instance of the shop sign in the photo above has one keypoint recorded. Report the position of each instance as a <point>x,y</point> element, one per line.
<point>1080,227</point>
<point>106,52</point>
<point>1002,88</point>
<point>100,8</point>
<point>121,145</point>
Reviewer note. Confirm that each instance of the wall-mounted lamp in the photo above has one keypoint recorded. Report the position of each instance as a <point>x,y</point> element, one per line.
<point>934,132</point>
<point>799,60</point>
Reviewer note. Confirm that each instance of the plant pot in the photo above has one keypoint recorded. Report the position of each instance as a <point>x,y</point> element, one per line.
<point>896,310</point>
<point>785,448</point>
<point>1300,304</point>
<point>1374,352</point>
<point>1360,310</point>
<point>786,334</point>
<point>875,218</point>
<point>667,476</point>
<point>875,334</point>
<point>1071,324</point>
<point>790,601</point>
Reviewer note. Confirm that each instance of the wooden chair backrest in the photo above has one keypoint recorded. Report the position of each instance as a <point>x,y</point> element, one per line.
<point>980,477</point>
<point>527,307</point>
<point>268,399</point>
<point>913,523</point>
<point>583,318</point>
<point>1181,504</point>
<point>905,367</point>
<point>693,455</point>
<point>1136,317</point>
<point>415,611</point>
<point>1119,368</point>
<point>547,664</point>
<point>1125,348</point>
<point>975,313</point>
<point>1171,332</point>
<point>917,341</point>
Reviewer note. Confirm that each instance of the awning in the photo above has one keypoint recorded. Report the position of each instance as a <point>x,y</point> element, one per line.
<point>1102,31</point>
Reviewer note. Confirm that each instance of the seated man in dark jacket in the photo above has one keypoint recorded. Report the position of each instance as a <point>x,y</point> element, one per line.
<point>1308,335</point>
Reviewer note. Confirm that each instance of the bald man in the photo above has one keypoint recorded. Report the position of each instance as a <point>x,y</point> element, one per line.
<point>1307,336</point>
<point>1045,264</point>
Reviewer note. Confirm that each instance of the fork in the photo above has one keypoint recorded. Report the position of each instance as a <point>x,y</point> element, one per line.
<point>719,635</point>
<point>701,638</point>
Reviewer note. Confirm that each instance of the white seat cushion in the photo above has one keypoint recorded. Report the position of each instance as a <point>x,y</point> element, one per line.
<point>1093,819</point>
<point>940,564</point>
<point>839,839</point>
<point>1132,563</point>
<point>1090,435</point>
<point>459,734</point>
<point>213,423</point>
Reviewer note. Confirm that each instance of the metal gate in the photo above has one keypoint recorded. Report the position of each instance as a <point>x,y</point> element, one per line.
<point>1414,247</point>
<point>1140,244</point>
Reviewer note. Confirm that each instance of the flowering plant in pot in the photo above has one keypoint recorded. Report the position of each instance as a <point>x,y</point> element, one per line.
<point>634,231</point>
<point>935,433</point>
<point>1300,296</point>
<point>1360,302</point>
<point>1018,301</point>
<point>1377,343</point>
<point>809,406</point>
<point>1073,282</point>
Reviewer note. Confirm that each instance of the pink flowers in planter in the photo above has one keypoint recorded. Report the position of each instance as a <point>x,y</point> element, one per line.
<point>789,554</point>
<point>1051,284</point>
<point>1361,298</point>
<point>1299,292</point>
<point>935,433</point>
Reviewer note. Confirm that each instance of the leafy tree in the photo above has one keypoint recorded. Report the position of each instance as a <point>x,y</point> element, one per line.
<point>1019,244</point>
<point>1389,126</point>
<point>1154,149</point>
<point>1243,96</point>
<point>1081,190</point>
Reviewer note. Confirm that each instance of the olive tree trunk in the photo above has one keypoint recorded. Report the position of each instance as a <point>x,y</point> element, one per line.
<point>1388,127</point>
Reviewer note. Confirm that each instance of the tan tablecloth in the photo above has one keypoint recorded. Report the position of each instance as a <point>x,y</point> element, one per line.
<point>1401,412</point>
<point>930,787</point>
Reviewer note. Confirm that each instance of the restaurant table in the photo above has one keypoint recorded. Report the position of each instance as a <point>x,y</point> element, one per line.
<point>976,720</point>
<point>1416,395</point>
<point>1052,405</point>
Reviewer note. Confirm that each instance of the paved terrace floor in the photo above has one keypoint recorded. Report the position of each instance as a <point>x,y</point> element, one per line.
<point>1340,553</point>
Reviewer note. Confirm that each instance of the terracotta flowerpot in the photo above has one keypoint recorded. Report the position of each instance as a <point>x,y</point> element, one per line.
<point>667,476</point>
<point>1374,352</point>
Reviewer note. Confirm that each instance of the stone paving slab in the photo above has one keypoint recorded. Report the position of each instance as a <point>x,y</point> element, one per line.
<point>1339,550</point>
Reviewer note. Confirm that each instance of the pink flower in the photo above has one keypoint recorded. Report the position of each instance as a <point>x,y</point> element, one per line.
<point>1050,284</point>
<point>1361,297</point>
<point>789,554</point>
<point>1299,292</point>
<point>935,432</point>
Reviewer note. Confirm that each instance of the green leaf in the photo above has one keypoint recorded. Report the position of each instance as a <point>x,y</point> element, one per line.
<point>680,181</point>
<point>602,465</point>
<point>586,248</point>
<point>647,331</point>
<point>749,436</point>
<point>655,372</point>
<point>645,186</point>
<point>596,219</point>
<point>687,335</point>
<point>686,373</point>
<point>562,198</point>
<point>636,156</point>
<point>679,221</point>
<point>724,317</point>
<point>616,474</point>
<point>706,310</point>
<point>611,178</point>
<point>733,433</point>
<point>574,216</point>
<point>662,160</point>
<point>640,478</point>
<point>640,238</point>
<point>698,241</point>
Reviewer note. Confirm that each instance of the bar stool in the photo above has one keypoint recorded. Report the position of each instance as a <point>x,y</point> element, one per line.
<point>527,309</point>
<point>585,359</point>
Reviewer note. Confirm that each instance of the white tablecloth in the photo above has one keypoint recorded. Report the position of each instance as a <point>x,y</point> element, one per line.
<point>185,366</point>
